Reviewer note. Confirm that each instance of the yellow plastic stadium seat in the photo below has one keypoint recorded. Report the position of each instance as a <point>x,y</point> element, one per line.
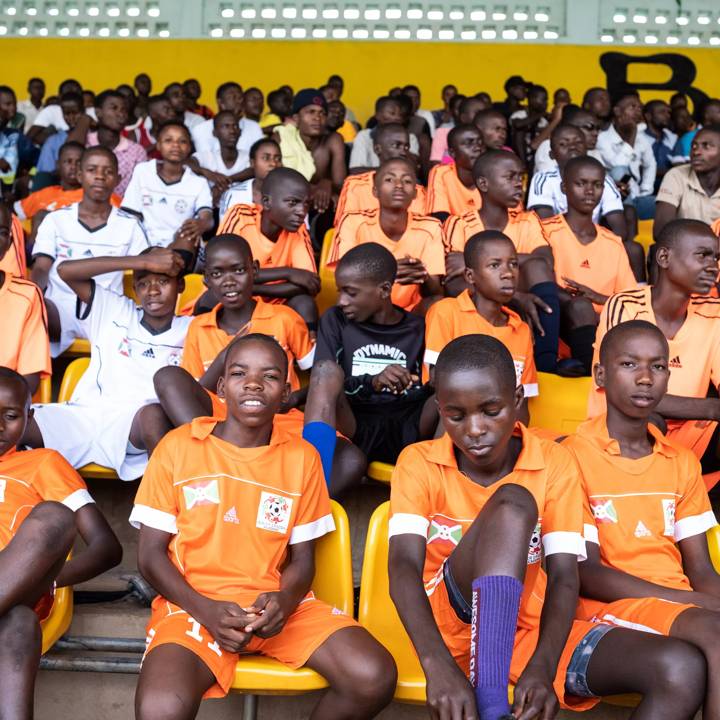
<point>58,622</point>
<point>194,288</point>
<point>44,392</point>
<point>645,234</point>
<point>562,403</point>
<point>327,296</point>
<point>128,289</point>
<point>378,615</point>
<point>73,373</point>
<point>380,471</point>
<point>713,540</point>
<point>257,675</point>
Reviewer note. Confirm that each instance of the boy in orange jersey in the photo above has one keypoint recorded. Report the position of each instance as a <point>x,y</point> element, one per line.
<point>687,267</point>
<point>647,512</point>
<point>590,261</point>
<point>213,488</point>
<point>25,346</point>
<point>451,187</point>
<point>391,141</point>
<point>499,178</point>
<point>44,503</point>
<point>188,391</point>
<point>280,242</point>
<point>485,535</point>
<point>13,262</point>
<point>415,241</point>
<point>491,271</point>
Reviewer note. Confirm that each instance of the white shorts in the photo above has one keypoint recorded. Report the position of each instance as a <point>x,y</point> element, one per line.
<point>92,434</point>
<point>70,327</point>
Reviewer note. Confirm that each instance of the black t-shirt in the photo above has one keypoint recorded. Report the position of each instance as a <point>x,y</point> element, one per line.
<point>366,349</point>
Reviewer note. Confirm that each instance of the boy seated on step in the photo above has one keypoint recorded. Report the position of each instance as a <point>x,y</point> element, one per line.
<point>91,227</point>
<point>491,272</point>
<point>590,261</point>
<point>416,241</point>
<point>647,513</point>
<point>383,405</point>
<point>112,418</point>
<point>45,503</point>
<point>280,242</point>
<point>229,512</point>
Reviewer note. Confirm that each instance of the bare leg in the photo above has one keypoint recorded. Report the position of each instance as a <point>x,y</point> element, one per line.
<point>305,307</point>
<point>348,468</point>
<point>636,256</point>
<point>53,317</point>
<point>181,396</point>
<point>361,673</point>
<point>669,674</point>
<point>171,685</point>
<point>149,427</point>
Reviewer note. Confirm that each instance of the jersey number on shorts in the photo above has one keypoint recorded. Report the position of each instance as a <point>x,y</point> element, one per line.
<point>194,633</point>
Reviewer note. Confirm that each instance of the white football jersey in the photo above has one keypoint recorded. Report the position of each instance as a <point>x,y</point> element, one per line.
<point>165,207</point>
<point>250,133</point>
<point>62,236</point>
<point>124,355</point>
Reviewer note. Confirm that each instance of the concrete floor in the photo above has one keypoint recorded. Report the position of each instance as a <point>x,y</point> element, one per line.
<point>88,696</point>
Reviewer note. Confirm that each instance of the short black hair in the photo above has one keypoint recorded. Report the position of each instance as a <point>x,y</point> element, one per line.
<point>375,262</point>
<point>155,99</point>
<point>466,102</point>
<point>174,123</point>
<point>100,150</point>
<point>477,242</point>
<point>255,147</point>
<point>591,91</point>
<point>463,127</point>
<point>220,114</point>
<point>570,112</point>
<point>632,327</point>
<point>8,91</point>
<point>71,96</point>
<point>583,161</point>
<point>537,88</point>
<point>675,229</point>
<point>715,129</point>
<point>69,81</point>
<point>624,95</point>
<point>411,87</point>
<point>381,131</point>
<point>405,161</point>
<point>15,377</point>
<point>488,159</point>
<point>259,337</point>
<point>564,127</point>
<point>171,85</point>
<point>281,175</point>
<point>382,102</point>
<point>229,240</point>
<point>652,104</point>
<point>226,86</point>
<point>105,95</point>
<point>71,145</point>
<point>489,113</point>
<point>477,352</point>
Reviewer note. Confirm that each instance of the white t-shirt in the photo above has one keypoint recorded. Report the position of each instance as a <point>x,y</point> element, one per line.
<point>545,190</point>
<point>250,133</point>
<point>192,119</point>
<point>544,162</point>
<point>638,158</point>
<point>363,152</point>
<point>62,236</point>
<point>238,194</point>
<point>212,160</point>
<point>125,354</point>
<point>53,115</point>
<point>165,207</point>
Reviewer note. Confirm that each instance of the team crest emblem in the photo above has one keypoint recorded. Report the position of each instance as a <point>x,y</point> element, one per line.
<point>181,206</point>
<point>669,515</point>
<point>124,348</point>
<point>147,200</point>
<point>174,359</point>
<point>535,548</point>
<point>604,512</point>
<point>201,494</point>
<point>274,512</point>
<point>439,532</point>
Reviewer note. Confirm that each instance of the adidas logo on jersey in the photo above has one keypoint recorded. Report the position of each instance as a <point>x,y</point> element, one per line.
<point>231,516</point>
<point>585,264</point>
<point>149,353</point>
<point>675,362</point>
<point>641,530</point>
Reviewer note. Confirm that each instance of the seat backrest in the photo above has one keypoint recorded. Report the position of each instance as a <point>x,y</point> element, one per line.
<point>73,373</point>
<point>328,294</point>
<point>333,581</point>
<point>44,392</point>
<point>377,611</point>
<point>128,289</point>
<point>194,288</point>
<point>561,404</point>
<point>713,541</point>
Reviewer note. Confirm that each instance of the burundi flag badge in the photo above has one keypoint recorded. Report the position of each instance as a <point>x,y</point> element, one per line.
<point>604,511</point>
<point>439,531</point>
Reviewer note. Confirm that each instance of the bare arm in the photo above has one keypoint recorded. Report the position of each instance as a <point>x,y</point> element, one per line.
<point>616,222</point>
<point>102,549</point>
<point>338,171</point>
<point>80,131</point>
<point>685,408</point>
<point>664,213</point>
<point>41,270</point>
<point>698,566</point>
<point>543,211</point>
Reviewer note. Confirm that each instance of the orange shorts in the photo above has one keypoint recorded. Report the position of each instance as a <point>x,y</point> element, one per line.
<point>456,635</point>
<point>651,615</point>
<point>692,434</point>
<point>312,623</point>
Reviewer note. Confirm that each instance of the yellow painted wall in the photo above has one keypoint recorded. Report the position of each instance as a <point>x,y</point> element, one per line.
<point>369,68</point>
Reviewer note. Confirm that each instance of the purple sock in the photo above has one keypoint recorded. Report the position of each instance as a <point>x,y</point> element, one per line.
<point>495,605</point>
